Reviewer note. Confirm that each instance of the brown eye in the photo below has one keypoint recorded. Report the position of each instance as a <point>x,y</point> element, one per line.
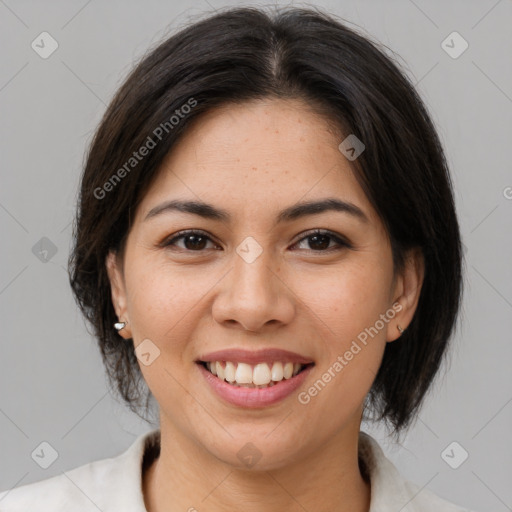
<point>193,241</point>
<point>319,241</point>
<point>197,241</point>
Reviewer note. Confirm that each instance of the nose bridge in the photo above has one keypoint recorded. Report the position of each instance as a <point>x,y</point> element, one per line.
<point>253,277</point>
<point>254,295</point>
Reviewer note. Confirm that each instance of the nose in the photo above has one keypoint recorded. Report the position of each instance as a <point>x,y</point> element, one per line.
<point>253,296</point>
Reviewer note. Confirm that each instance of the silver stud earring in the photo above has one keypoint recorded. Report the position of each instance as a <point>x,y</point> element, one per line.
<point>119,325</point>
<point>400,329</point>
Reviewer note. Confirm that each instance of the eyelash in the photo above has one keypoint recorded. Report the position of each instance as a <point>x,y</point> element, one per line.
<point>340,241</point>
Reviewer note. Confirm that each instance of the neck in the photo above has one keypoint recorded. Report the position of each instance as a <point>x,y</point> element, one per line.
<point>329,479</point>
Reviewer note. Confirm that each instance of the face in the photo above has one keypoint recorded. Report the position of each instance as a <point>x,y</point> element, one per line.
<point>260,284</point>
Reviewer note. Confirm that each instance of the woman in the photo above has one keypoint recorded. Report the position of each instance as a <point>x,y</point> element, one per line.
<point>266,236</point>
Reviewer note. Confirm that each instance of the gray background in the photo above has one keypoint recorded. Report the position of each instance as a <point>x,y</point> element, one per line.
<point>52,382</point>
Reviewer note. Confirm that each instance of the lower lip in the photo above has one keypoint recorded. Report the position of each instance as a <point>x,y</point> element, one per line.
<point>253,398</point>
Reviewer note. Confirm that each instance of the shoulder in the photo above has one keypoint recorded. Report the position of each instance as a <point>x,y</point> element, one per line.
<point>390,491</point>
<point>106,485</point>
<point>424,500</point>
<point>72,490</point>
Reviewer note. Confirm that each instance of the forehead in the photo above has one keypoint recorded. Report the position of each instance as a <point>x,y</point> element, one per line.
<point>255,156</point>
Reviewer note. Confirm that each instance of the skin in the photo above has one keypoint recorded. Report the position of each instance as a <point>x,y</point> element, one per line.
<point>253,160</point>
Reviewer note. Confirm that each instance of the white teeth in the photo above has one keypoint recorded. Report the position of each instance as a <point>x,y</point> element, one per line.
<point>277,371</point>
<point>243,374</point>
<point>261,375</point>
<point>229,372</point>
<point>220,370</point>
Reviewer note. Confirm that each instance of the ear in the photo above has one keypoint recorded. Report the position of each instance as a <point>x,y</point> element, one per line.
<point>407,290</point>
<point>118,291</point>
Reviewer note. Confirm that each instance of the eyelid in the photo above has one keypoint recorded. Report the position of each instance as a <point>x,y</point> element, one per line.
<point>184,232</point>
<point>339,239</point>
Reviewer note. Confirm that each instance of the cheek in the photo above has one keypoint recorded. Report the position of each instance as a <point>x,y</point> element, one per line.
<point>348,299</point>
<point>350,357</point>
<point>348,303</point>
<point>163,301</point>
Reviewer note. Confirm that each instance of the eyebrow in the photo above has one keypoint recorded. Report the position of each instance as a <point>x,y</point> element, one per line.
<point>293,212</point>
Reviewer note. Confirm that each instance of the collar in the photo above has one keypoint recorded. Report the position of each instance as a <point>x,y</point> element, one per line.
<point>389,491</point>
<point>115,484</point>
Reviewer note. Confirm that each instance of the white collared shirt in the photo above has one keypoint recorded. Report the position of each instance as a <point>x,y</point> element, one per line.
<point>115,485</point>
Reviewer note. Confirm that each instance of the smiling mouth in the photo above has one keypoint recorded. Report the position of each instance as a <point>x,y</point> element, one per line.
<point>260,375</point>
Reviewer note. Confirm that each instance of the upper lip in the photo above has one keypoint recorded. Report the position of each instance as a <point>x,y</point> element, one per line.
<point>266,355</point>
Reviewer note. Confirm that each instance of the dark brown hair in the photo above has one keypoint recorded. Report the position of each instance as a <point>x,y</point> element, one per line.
<point>244,54</point>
